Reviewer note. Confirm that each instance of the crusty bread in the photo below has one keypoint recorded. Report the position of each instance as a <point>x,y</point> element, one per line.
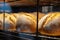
<point>50,24</point>
<point>27,22</point>
<point>21,22</point>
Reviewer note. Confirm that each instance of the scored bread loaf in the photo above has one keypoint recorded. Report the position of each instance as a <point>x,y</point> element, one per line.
<point>50,24</point>
<point>26,23</point>
<point>21,22</point>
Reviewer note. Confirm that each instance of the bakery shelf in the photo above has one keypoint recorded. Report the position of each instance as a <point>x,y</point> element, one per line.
<point>48,37</point>
<point>49,2</point>
<point>33,2</point>
<point>25,36</point>
<point>12,35</point>
<point>21,2</point>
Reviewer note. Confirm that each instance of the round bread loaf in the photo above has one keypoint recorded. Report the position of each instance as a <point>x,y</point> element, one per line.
<point>50,24</point>
<point>26,23</point>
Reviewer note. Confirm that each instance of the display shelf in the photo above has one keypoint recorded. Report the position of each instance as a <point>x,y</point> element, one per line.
<point>24,36</point>
<point>33,2</point>
<point>21,2</point>
<point>49,2</point>
<point>48,37</point>
<point>12,35</point>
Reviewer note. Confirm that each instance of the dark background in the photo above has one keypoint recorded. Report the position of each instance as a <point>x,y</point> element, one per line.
<point>16,9</point>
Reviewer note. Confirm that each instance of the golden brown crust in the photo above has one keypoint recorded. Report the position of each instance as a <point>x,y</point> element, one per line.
<point>32,22</point>
<point>25,20</point>
<point>51,25</point>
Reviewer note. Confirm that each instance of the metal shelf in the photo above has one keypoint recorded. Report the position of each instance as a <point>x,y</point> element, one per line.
<point>12,35</point>
<point>24,36</point>
<point>48,37</point>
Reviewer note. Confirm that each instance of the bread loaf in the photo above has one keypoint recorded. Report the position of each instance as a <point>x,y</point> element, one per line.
<point>26,23</point>
<point>21,22</point>
<point>50,24</point>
